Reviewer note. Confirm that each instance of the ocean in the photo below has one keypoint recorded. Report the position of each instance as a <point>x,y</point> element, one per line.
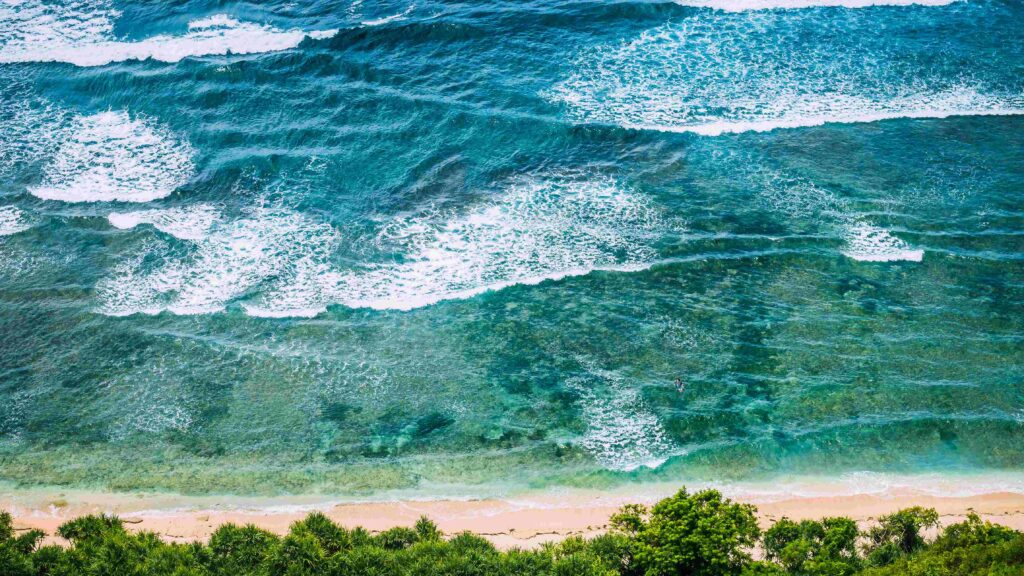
<point>358,248</point>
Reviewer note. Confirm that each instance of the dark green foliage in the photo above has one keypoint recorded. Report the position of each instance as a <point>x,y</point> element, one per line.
<point>827,548</point>
<point>687,534</point>
<point>970,548</point>
<point>763,569</point>
<point>299,554</point>
<point>331,537</point>
<point>616,551</point>
<point>698,534</point>
<point>16,552</point>
<point>239,551</point>
<point>898,535</point>
<point>397,538</point>
<point>426,529</point>
<point>973,532</point>
<point>365,561</point>
<point>90,527</point>
<point>467,542</point>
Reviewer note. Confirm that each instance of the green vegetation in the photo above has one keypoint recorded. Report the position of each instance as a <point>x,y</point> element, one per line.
<point>701,534</point>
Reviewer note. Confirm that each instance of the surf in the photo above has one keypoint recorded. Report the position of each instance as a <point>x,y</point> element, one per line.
<point>720,73</point>
<point>745,5</point>
<point>536,230</point>
<point>81,34</point>
<point>112,156</point>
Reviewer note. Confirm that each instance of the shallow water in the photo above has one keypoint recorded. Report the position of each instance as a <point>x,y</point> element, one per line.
<point>466,248</point>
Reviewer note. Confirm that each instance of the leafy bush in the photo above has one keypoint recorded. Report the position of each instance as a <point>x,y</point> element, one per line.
<point>970,548</point>
<point>700,534</point>
<point>828,547</point>
<point>240,551</point>
<point>898,535</point>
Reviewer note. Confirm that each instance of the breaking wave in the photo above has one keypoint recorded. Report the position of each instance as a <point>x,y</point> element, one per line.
<point>189,223</point>
<point>13,220</point>
<point>744,5</point>
<point>282,261</point>
<point>863,240</point>
<point>228,262</point>
<point>759,71</point>
<point>622,431</point>
<point>111,157</point>
<point>81,33</point>
<point>869,243</point>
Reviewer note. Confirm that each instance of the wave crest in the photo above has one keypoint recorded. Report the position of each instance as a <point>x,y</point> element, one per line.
<point>745,5</point>
<point>284,262</point>
<point>759,71</point>
<point>112,157</point>
<point>81,33</point>
<point>13,220</point>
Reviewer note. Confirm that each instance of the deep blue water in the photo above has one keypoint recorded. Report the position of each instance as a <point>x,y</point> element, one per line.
<point>467,247</point>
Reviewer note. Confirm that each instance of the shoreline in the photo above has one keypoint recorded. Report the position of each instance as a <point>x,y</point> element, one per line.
<point>526,521</point>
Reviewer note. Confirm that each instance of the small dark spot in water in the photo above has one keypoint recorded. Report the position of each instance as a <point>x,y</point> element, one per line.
<point>948,436</point>
<point>339,412</point>
<point>431,422</point>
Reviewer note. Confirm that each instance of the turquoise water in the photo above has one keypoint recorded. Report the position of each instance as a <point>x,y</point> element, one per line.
<point>352,247</point>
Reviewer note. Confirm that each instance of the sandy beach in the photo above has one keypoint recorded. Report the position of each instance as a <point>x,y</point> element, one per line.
<point>508,523</point>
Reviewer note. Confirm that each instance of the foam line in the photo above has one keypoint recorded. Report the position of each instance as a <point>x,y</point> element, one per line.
<point>622,431</point>
<point>81,34</point>
<point>869,243</point>
<point>281,261</point>
<point>189,223</point>
<point>841,117</point>
<point>13,220</point>
<point>863,241</point>
<point>112,157</point>
<point>718,73</point>
<point>388,19</point>
<point>230,258</point>
<point>745,5</point>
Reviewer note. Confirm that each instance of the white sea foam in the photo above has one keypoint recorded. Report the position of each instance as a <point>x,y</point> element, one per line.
<point>281,261</point>
<point>188,223</point>
<point>712,74</point>
<point>231,259</point>
<point>30,127</point>
<point>33,26</point>
<point>622,431</point>
<point>744,5</point>
<point>869,243</point>
<point>537,229</point>
<point>81,33</point>
<point>13,220</point>
<point>864,241</point>
<point>393,18</point>
<point>841,109</point>
<point>111,157</point>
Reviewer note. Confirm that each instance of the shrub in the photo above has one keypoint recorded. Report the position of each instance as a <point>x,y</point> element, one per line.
<point>827,548</point>
<point>239,551</point>
<point>700,534</point>
<point>426,529</point>
<point>365,561</point>
<point>90,527</point>
<point>466,542</point>
<point>331,537</point>
<point>298,554</point>
<point>687,534</point>
<point>898,534</point>
<point>397,538</point>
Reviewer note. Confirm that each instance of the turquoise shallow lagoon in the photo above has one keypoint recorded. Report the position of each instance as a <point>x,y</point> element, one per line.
<point>357,248</point>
